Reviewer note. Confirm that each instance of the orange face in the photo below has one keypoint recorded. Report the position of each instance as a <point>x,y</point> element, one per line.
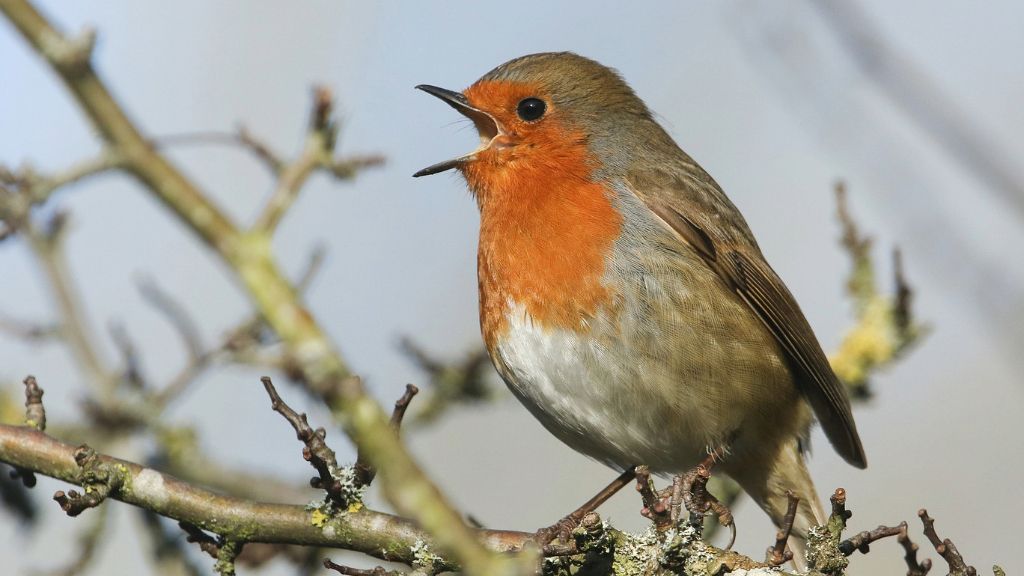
<point>528,138</point>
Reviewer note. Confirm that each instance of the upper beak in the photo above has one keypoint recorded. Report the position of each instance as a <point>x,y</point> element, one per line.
<point>485,124</point>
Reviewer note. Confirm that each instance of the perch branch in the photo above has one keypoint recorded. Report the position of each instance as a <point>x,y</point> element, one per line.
<point>380,535</point>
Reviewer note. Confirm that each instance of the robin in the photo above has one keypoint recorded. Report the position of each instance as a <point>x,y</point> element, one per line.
<point>623,298</point>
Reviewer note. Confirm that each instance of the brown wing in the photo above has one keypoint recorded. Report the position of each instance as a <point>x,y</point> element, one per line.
<point>693,205</point>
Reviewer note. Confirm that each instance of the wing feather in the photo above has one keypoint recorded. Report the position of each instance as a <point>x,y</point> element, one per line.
<point>699,212</point>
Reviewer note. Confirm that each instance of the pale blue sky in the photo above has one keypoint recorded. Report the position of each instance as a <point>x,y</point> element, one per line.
<point>755,91</point>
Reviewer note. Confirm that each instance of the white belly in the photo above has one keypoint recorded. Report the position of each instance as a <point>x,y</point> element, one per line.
<point>653,386</point>
<point>603,400</point>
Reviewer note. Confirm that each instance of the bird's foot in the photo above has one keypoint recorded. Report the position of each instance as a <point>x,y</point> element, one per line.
<point>562,530</point>
<point>657,505</point>
<point>691,489</point>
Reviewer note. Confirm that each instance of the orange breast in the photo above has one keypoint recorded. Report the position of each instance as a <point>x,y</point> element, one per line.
<point>546,229</point>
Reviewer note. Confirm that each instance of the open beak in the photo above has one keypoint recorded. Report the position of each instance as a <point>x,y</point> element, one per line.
<point>485,125</point>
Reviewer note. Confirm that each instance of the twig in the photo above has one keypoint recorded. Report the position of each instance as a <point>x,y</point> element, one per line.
<point>240,137</point>
<point>319,146</point>
<point>861,541</point>
<point>321,368</point>
<point>238,345</point>
<point>885,327</point>
<point>15,496</point>
<point>131,373</point>
<point>35,417</point>
<point>923,101</point>
<point>840,514</point>
<point>46,246</point>
<point>99,479</point>
<point>945,548</point>
<point>450,383</point>
<point>229,550</point>
<point>196,535</point>
<point>35,413</point>
<point>861,282</point>
<point>902,309</point>
<point>377,571</point>
<point>313,266</point>
<point>342,490</point>
<point>176,314</point>
<point>779,554</point>
<point>364,471</point>
<point>28,330</point>
<point>914,568</point>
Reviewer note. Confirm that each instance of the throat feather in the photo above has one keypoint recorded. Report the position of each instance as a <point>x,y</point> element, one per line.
<point>546,231</point>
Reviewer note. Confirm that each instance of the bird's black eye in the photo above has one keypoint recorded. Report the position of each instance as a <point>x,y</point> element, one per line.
<point>531,109</point>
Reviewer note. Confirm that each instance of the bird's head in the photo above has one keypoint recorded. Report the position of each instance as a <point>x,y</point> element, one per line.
<point>546,112</point>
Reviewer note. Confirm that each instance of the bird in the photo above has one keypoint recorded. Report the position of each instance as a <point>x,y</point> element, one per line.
<point>623,298</point>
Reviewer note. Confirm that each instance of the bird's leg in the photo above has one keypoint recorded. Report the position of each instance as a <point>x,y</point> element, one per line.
<point>691,490</point>
<point>562,529</point>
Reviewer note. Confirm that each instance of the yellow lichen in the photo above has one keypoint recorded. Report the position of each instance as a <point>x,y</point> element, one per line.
<point>319,518</point>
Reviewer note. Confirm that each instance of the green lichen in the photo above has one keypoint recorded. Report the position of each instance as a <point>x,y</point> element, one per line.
<point>424,558</point>
<point>351,489</point>
<point>823,551</point>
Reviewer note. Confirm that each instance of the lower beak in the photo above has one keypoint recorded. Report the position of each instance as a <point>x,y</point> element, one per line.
<point>485,125</point>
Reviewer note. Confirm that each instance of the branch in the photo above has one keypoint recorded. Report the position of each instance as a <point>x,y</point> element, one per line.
<point>339,483</point>
<point>364,471</point>
<point>377,534</point>
<point>241,137</point>
<point>779,554</point>
<point>885,327</point>
<point>320,142</point>
<point>945,548</point>
<point>317,364</point>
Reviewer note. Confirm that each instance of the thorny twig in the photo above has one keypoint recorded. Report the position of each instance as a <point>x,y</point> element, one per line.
<point>364,471</point>
<point>779,554</point>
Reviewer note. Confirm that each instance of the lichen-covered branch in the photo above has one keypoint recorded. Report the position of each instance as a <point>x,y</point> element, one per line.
<point>314,360</point>
<point>885,327</point>
<point>380,535</point>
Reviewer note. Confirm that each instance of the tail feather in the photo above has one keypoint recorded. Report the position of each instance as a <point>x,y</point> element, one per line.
<point>768,485</point>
